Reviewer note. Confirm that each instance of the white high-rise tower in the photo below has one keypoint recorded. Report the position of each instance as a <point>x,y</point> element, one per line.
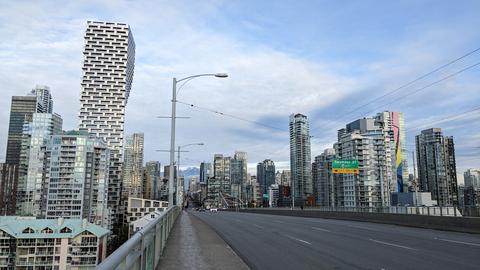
<point>109,58</point>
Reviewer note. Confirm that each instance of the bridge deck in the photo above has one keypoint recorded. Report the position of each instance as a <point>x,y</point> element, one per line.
<point>194,245</point>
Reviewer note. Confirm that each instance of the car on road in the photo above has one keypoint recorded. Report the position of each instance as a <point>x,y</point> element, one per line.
<point>213,210</point>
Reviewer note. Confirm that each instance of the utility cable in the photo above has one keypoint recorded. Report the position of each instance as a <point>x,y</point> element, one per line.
<point>230,115</point>
<point>411,82</point>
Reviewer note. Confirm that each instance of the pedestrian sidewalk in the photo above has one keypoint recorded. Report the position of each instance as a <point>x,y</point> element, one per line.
<point>194,245</point>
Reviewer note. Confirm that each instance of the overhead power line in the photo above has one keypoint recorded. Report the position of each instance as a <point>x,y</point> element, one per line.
<point>375,99</point>
<point>410,83</point>
<point>445,119</point>
<point>231,116</point>
<point>427,86</point>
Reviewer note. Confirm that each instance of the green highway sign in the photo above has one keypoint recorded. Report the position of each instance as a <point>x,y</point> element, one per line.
<point>345,166</point>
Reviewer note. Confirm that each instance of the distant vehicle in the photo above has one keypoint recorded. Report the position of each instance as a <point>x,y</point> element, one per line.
<point>213,210</point>
<point>201,210</point>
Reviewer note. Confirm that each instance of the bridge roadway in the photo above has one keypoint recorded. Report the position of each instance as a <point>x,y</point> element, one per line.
<point>284,242</point>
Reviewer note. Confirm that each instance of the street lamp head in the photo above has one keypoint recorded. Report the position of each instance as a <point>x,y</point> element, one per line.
<point>221,75</point>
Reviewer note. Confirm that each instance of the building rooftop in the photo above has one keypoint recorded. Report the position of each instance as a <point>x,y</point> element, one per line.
<point>29,227</point>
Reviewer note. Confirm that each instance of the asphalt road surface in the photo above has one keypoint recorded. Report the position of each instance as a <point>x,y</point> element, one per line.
<point>283,242</point>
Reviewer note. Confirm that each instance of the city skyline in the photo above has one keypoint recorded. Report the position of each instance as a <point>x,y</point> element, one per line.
<point>320,81</point>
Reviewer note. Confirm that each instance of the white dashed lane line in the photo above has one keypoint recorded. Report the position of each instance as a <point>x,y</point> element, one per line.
<point>458,242</point>
<point>320,229</point>
<point>298,239</point>
<point>258,226</point>
<point>391,244</point>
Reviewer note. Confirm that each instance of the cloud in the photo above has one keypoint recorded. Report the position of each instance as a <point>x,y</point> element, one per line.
<point>276,68</point>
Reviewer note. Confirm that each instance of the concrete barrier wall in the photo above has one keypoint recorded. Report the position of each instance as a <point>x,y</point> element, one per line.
<point>457,224</point>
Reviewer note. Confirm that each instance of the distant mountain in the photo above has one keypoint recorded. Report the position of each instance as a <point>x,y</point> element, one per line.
<point>188,173</point>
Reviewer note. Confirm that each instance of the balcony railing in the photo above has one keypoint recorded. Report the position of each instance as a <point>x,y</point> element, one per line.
<point>143,249</point>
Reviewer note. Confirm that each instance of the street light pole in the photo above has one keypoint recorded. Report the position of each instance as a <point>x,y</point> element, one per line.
<point>172,130</point>
<point>172,144</point>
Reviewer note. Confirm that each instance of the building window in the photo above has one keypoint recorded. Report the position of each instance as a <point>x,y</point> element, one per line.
<point>47,230</point>
<point>28,230</point>
<point>65,230</point>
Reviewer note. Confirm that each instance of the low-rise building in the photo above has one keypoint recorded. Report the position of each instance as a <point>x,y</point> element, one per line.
<point>138,208</point>
<point>138,224</point>
<point>412,199</point>
<point>29,243</point>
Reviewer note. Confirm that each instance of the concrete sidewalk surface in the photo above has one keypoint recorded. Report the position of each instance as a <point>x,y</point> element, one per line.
<point>195,245</point>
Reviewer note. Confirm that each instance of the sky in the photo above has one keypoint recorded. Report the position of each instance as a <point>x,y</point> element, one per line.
<point>319,58</point>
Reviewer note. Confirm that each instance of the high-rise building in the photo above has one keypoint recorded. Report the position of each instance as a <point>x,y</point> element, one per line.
<point>300,158</point>
<point>44,98</point>
<point>76,168</point>
<point>109,59</point>
<point>220,184</point>
<point>437,171</point>
<point>239,175</point>
<point>31,181</point>
<point>38,100</point>
<point>8,187</point>
<point>147,185</point>
<point>285,178</point>
<point>273,195</point>
<point>323,178</point>
<point>205,172</point>
<point>133,167</point>
<point>378,143</point>
<point>471,199</point>
<point>153,170</point>
<point>364,141</point>
<point>471,177</point>
<point>266,174</point>
<point>393,125</point>
<point>222,173</point>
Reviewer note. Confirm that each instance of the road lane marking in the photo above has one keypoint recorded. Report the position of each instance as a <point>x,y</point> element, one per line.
<point>320,229</point>
<point>361,227</point>
<point>390,244</point>
<point>299,240</point>
<point>258,226</point>
<point>458,242</point>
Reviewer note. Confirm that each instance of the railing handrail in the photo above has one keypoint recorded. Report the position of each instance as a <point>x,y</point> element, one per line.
<point>120,254</point>
<point>446,211</point>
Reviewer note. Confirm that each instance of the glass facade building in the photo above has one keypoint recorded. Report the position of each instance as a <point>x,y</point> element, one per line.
<point>300,157</point>
<point>31,181</point>
<point>76,168</point>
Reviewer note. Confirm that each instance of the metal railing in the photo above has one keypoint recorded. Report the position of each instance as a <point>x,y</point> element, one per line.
<point>143,249</point>
<point>404,210</point>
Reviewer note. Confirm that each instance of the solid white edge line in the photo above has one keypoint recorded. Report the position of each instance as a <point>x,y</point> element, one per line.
<point>391,244</point>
